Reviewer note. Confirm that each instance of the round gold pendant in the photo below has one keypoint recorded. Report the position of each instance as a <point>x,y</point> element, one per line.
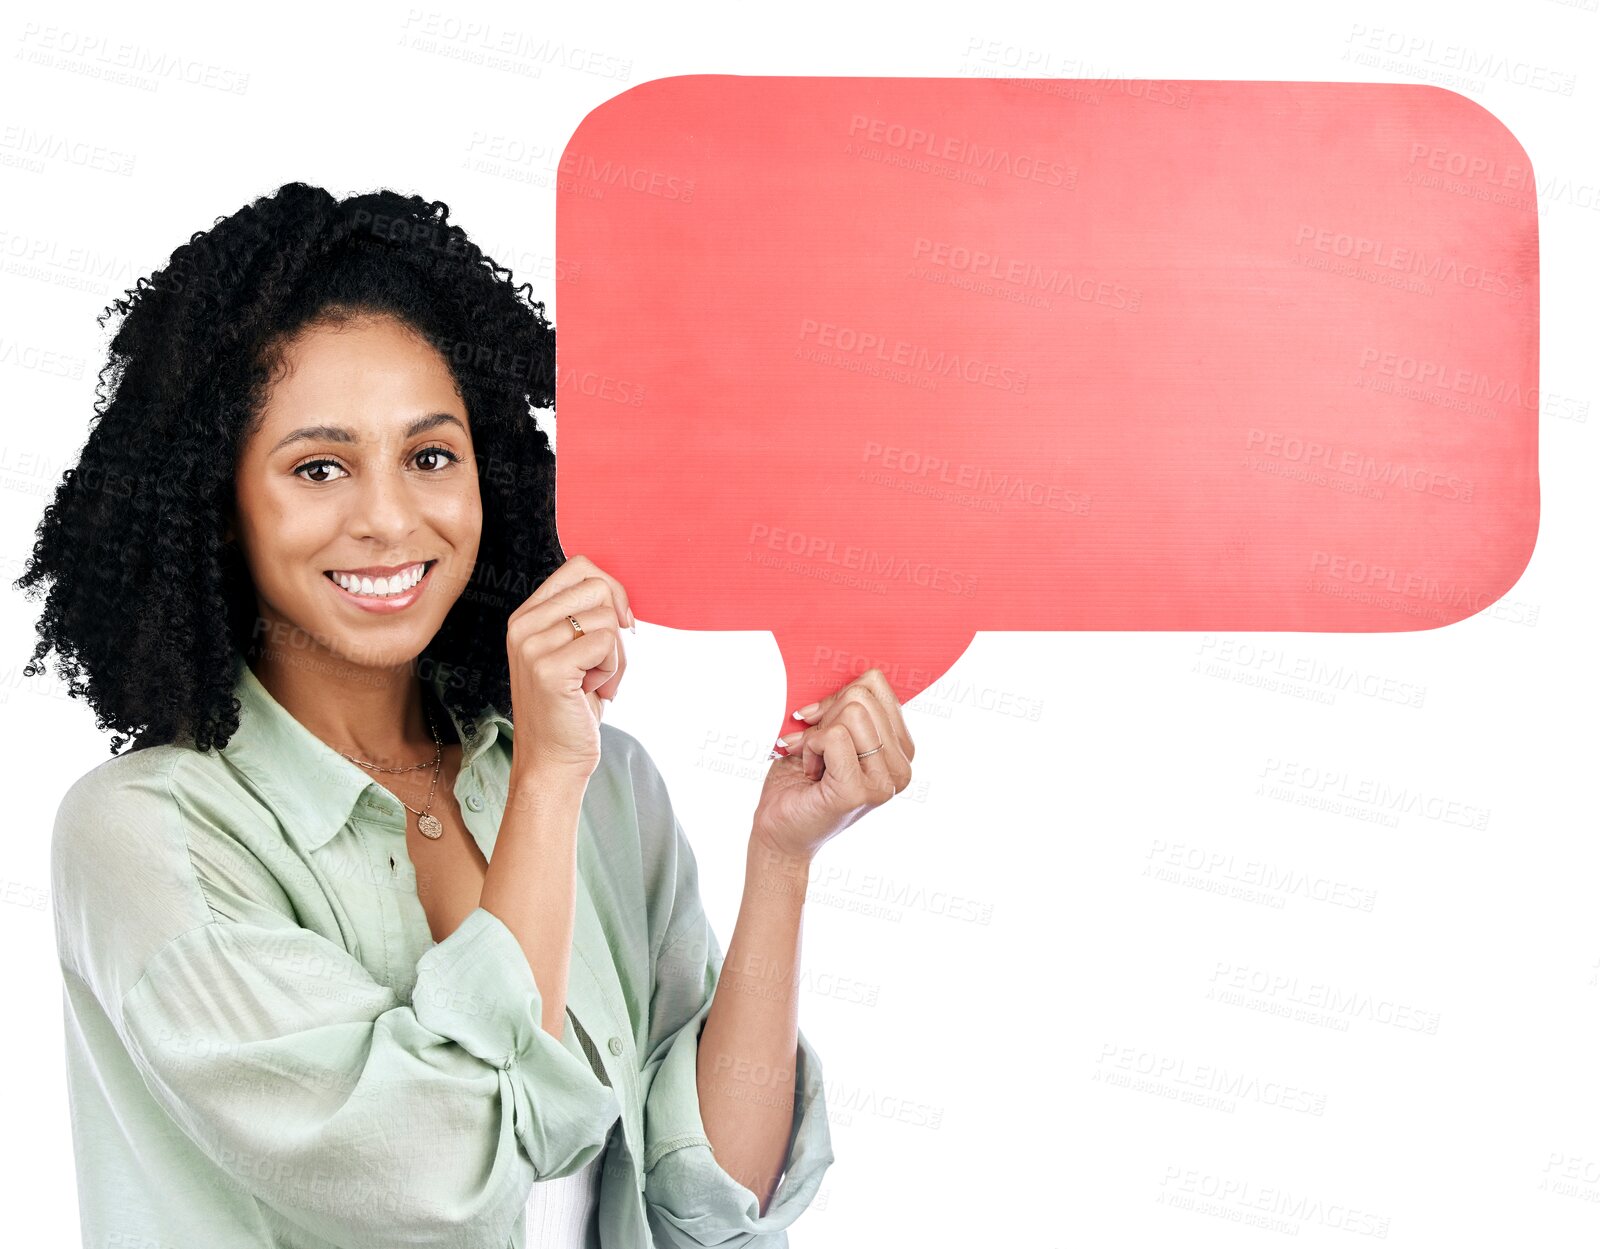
<point>430,827</point>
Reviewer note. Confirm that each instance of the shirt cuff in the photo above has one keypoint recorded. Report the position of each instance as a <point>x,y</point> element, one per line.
<point>691,1200</point>
<point>476,988</point>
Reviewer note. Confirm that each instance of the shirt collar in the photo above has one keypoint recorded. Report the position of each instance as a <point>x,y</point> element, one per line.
<point>309,783</point>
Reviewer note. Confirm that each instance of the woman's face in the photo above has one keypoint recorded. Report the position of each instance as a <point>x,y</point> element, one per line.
<point>363,466</point>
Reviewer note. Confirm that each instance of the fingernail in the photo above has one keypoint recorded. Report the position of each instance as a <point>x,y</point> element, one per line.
<point>787,742</point>
<point>810,709</point>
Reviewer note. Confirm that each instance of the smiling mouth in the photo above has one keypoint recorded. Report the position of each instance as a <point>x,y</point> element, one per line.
<point>399,584</point>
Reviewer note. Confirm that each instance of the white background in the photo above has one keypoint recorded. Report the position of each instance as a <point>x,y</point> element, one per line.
<point>1017,972</point>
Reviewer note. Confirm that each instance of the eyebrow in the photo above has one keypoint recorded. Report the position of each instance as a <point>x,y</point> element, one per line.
<point>338,433</point>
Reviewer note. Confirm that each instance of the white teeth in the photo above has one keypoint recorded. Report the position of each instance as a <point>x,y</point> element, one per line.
<point>382,587</point>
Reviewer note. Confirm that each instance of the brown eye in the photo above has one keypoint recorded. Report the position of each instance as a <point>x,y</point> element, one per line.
<point>299,470</point>
<point>450,456</point>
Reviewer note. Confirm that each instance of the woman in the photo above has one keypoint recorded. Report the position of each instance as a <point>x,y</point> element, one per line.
<point>379,936</point>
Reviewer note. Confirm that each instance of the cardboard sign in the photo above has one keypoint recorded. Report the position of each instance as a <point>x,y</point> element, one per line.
<point>875,363</point>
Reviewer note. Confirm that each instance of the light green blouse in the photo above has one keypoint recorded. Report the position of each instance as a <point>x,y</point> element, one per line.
<point>266,1047</point>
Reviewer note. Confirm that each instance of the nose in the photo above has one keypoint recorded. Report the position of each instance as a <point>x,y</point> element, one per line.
<point>385,510</point>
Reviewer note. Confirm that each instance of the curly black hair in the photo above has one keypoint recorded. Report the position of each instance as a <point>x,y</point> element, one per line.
<point>147,603</point>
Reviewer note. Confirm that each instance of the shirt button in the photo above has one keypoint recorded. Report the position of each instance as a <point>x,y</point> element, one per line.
<point>615,1045</point>
<point>474,803</point>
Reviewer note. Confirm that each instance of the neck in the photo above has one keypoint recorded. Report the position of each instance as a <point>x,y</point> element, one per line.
<point>374,714</point>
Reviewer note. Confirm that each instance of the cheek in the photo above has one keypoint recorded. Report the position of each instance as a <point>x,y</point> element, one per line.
<point>462,519</point>
<point>284,537</point>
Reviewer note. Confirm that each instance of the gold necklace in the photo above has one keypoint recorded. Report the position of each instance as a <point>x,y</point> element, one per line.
<point>428,825</point>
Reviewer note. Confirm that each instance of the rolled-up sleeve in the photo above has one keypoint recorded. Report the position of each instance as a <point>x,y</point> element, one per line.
<point>690,1199</point>
<point>364,1119</point>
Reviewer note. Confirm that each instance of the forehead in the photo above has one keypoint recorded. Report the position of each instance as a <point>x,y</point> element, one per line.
<point>369,373</point>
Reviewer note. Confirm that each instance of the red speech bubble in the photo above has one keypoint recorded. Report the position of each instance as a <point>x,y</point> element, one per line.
<point>878,362</point>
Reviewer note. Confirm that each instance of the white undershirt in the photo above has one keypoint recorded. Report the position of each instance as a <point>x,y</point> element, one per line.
<point>559,1211</point>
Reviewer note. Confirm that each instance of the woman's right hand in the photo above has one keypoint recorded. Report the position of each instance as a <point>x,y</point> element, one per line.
<point>559,681</point>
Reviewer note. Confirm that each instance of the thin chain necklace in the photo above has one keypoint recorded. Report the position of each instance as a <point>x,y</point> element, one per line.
<point>428,825</point>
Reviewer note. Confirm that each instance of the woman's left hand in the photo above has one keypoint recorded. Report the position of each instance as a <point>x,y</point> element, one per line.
<point>822,786</point>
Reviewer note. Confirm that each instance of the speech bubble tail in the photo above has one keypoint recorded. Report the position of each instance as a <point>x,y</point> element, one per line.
<point>912,655</point>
